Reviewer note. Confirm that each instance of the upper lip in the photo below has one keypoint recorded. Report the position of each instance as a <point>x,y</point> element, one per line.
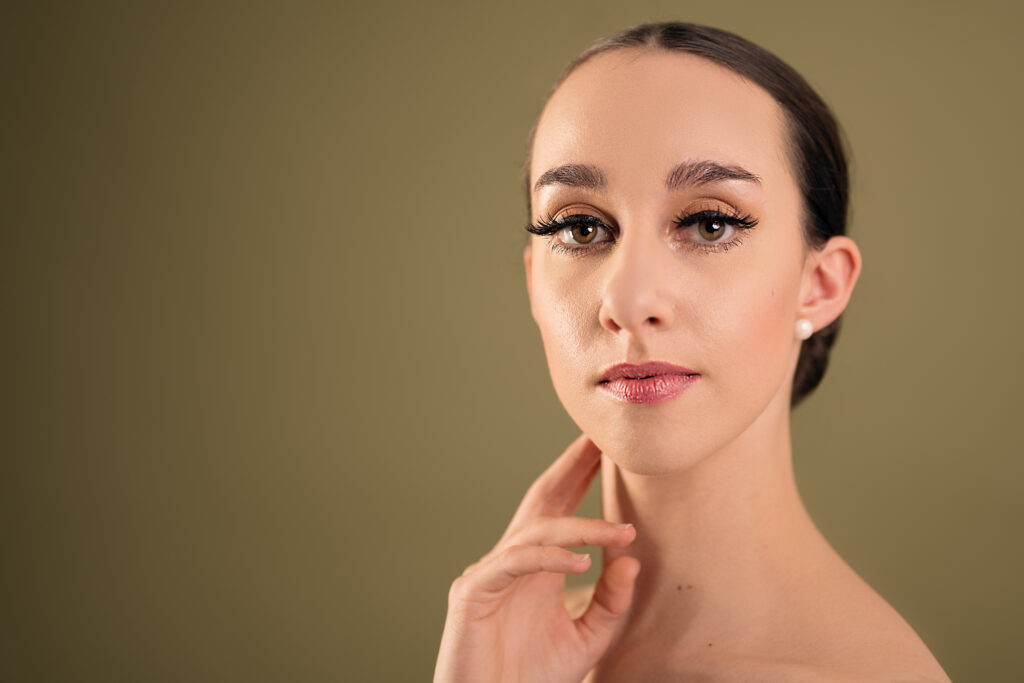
<point>628,371</point>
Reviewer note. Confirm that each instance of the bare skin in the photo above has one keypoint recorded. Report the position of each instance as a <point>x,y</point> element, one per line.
<point>735,582</point>
<point>506,619</point>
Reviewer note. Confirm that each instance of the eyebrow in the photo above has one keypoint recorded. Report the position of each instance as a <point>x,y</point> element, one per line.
<point>684,175</point>
<point>696,173</point>
<point>573,175</point>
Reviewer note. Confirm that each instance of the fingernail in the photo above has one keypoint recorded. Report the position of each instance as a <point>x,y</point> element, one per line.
<point>580,557</point>
<point>623,526</point>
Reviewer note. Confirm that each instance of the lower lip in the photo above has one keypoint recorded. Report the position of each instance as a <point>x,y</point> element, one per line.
<point>656,389</point>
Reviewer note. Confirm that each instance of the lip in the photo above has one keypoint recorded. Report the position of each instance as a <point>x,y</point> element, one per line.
<point>654,382</point>
<point>651,369</point>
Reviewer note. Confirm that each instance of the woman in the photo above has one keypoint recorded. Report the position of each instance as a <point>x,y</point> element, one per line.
<point>687,269</point>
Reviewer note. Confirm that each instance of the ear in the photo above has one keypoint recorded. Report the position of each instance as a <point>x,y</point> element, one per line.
<point>528,263</point>
<point>829,277</point>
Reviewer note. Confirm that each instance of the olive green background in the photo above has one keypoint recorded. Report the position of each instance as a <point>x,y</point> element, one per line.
<point>270,381</point>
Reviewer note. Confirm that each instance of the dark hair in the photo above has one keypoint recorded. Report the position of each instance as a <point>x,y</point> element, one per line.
<point>815,147</point>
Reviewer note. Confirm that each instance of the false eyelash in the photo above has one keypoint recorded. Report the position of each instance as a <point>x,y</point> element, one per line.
<point>550,227</point>
<point>743,222</point>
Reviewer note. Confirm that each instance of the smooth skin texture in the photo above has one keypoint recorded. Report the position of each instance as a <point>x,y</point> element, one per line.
<point>736,583</point>
<point>507,620</point>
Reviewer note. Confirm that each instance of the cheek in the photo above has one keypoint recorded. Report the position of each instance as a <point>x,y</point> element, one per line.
<point>751,332</point>
<point>563,308</point>
<point>566,312</point>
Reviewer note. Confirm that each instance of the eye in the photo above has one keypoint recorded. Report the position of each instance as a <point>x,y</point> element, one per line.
<point>574,233</point>
<point>710,226</point>
<point>711,229</point>
<point>581,233</point>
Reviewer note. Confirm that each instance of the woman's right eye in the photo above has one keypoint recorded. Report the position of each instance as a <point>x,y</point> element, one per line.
<point>579,234</point>
<point>572,233</point>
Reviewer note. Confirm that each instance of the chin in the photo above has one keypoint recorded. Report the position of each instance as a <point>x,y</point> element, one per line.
<point>648,444</point>
<point>668,438</point>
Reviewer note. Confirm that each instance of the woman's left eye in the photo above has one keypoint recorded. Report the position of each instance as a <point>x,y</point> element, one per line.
<point>711,229</point>
<point>710,226</point>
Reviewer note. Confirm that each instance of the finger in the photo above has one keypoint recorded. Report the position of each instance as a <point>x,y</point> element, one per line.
<point>559,490</point>
<point>574,531</point>
<point>498,573</point>
<point>612,597</point>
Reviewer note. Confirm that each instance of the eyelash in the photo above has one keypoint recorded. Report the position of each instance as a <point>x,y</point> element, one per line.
<point>740,223</point>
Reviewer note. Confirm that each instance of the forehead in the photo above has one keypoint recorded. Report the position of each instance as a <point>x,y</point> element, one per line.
<point>637,113</point>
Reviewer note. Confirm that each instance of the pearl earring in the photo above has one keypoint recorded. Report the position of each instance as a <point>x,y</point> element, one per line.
<point>804,328</point>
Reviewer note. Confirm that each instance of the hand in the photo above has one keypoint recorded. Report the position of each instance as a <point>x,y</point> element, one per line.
<point>507,619</point>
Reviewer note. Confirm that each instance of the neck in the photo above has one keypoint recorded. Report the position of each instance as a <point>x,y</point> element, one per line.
<point>721,544</point>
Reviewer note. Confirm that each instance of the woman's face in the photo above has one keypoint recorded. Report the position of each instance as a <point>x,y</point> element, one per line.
<point>639,140</point>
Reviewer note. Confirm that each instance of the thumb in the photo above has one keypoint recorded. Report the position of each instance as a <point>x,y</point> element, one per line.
<point>612,597</point>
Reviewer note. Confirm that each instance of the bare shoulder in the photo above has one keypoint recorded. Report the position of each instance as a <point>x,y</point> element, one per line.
<point>853,659</point>
<point>857,634</point>
<point>851,635</point>
<point>843,633</point>
<point>768,671</point>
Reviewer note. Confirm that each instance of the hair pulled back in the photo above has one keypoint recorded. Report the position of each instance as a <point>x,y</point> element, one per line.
<point>815,147</point>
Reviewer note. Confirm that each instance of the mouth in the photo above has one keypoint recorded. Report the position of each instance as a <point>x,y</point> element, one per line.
<point>687,374</point>
<point>644,371</point>
<point>654,382</point>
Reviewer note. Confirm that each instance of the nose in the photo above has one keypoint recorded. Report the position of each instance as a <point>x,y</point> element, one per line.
<point>638,292</point>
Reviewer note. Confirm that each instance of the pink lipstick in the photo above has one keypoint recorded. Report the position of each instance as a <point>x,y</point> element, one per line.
<point>653,382</point>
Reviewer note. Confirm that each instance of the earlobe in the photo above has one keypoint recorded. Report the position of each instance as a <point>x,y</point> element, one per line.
<point>829,281</point>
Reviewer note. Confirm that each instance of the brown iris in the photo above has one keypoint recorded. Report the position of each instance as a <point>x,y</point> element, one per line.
<point>583,233</point>
<point>711,229</point>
